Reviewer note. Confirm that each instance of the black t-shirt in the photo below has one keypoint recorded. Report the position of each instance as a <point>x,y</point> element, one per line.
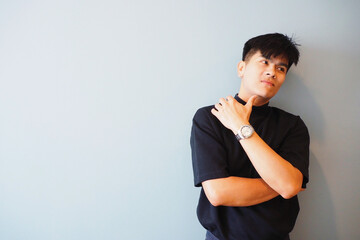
<point>217,154</point>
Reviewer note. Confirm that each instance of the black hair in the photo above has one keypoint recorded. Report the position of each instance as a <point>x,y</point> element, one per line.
<point>272,45</point>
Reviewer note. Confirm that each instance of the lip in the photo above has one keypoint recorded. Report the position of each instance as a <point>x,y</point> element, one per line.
<point>268,83</point>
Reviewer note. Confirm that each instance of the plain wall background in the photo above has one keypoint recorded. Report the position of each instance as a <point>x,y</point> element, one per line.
<point>97,98</point>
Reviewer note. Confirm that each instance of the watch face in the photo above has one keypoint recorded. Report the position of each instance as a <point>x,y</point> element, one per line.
<point>246,131</point>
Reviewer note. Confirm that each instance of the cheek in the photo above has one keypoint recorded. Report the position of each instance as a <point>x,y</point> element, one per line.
<point>251,73</point>
<point>281,82</point>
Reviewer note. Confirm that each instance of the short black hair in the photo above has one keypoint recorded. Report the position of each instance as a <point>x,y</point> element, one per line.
<point>272,45</point>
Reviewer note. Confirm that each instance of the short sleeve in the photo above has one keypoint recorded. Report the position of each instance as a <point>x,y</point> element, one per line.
<point>295,149</point>
<point>207,149</point>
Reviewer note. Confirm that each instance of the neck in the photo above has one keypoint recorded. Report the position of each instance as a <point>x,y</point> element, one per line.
<point>259,101</point>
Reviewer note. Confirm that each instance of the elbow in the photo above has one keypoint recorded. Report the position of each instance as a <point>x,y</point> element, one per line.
<point>214,198</point>
<point>288,195</point>
<point>215,201</point>
<point>290,191</point>
<point>293,186</point>
<point>213,193</point>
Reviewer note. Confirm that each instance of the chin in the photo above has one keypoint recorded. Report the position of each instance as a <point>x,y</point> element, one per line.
<point>263,100</point>
<point>266,95</point>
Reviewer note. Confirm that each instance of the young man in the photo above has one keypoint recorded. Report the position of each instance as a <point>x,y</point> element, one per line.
<point>250,159</point>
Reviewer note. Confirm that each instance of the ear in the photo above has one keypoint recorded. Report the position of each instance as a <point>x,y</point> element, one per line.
<point>241,68</point>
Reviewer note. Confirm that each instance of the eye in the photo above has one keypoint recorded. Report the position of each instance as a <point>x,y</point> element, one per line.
<point>281,69</point>
<point>265,61</point>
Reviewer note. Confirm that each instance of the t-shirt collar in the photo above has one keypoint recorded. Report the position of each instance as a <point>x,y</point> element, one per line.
<point>260,109</point>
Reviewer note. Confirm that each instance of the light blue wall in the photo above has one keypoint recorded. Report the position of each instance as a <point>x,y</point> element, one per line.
<point>97,97</point>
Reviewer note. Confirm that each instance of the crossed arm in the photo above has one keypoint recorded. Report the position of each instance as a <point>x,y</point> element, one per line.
<point>278,176</point>
<point>237,191</point>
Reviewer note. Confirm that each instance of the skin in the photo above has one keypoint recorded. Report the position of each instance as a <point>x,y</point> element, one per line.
<point>261,80</point>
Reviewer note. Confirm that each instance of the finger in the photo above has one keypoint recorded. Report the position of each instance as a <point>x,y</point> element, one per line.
<point>251,101</point>
<point>222,101</point>
<point>230,98</point>
<point>217,106</point>
<point>214,112</point>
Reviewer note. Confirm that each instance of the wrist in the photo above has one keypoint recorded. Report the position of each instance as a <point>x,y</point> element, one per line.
<point>238,125</point>
<point>244,132</point>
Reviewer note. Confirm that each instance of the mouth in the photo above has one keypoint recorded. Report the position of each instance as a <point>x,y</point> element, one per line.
<point>269,83</point>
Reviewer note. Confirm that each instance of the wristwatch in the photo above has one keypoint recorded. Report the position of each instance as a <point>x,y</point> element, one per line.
<point>244,132</point>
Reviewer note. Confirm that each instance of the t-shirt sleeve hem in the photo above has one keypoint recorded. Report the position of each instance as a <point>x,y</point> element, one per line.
<point>209,176</point>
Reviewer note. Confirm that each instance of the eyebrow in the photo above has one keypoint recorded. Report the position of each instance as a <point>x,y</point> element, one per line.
<point>284,65</point>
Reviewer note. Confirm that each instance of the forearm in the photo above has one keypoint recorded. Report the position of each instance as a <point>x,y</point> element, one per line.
<point>237,191</point>
<point>273,169</point>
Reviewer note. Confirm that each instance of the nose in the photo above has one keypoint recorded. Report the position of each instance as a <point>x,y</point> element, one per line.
<point>270,71</point>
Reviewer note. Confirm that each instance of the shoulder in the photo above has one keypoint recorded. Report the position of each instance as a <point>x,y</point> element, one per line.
<point>289,119</point>
<point>287,116</point>
<point>284,114</point>
<point>205,120</point>
<point>204,114</point>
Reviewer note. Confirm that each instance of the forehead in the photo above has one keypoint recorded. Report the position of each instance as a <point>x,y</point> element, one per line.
<point>280,59</point>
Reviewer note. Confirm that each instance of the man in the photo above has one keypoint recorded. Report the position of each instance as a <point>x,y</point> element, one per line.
<point>250,159</point>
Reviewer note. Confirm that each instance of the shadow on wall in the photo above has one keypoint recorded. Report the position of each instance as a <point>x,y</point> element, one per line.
<point>317,215</point>
<point>295,97</point>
